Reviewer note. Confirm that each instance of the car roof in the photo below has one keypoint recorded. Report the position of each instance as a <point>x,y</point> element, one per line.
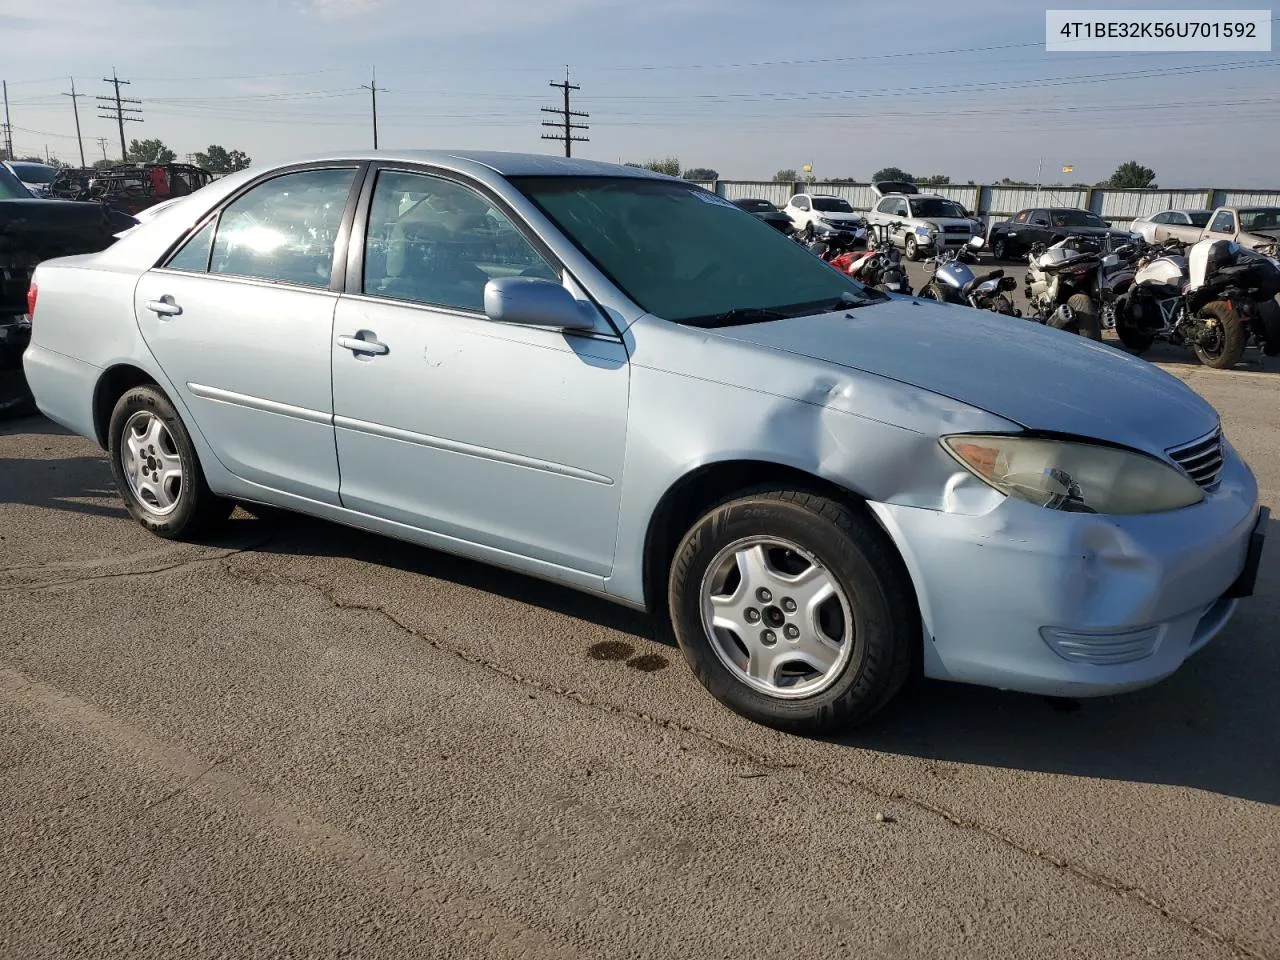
<point>500,162</point>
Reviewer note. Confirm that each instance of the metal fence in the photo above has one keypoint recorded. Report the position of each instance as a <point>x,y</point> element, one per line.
<point>996,201</point>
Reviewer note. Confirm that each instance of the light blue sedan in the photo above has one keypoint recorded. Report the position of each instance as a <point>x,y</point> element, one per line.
<point>623,383</point>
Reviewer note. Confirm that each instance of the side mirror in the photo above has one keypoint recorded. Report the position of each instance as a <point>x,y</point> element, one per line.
<point>976,243</point>
<point>534,302</point>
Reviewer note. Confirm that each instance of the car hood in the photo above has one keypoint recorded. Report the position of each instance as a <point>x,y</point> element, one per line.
<point>950,222</point>
<point>839,217</point>
<point>1043,379</point>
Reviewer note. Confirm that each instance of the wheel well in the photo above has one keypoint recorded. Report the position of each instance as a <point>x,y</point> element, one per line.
<point>698,491</point>
<point>112,385</point>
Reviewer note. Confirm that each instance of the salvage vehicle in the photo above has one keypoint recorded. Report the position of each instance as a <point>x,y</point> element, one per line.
<point>1152,228</point>
<point>1012,239</point>
<point>1074,284</point>
<point>36,177</point>
<point>1218,299</point>
<point>930,224</point>
<point>33,230</point>
<point>658,399</point>
<point>953,281</point>
<point>131,188</point>
<point>766,211</point>
<point>1253,227</point>
<point>816,216</point>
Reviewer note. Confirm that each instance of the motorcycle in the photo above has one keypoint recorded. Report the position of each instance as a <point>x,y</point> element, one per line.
<point>1073,285</point>
<point>1218,298</point>
<point>879,265</point>
<point>952,281</point>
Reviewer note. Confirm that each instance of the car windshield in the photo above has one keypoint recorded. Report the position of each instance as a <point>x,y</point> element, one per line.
<point>34,172</point>
<point>687,255</point>
<point>935,207</point>
<point>832,205</point>
<point>1076,218</point>
<point>11,187</point>
<point>1199,218</point>
<point>757,206</point>
<point>1260,218</point>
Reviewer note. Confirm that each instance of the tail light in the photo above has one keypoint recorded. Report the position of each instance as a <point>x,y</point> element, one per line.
<point>32,292</point>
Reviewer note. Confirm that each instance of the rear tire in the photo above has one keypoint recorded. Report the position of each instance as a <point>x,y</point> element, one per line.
<point>1086,321</point>
<point>180,507</point>
<point>930,291</point>
<point>1226,352</point>
<point>874,612</point>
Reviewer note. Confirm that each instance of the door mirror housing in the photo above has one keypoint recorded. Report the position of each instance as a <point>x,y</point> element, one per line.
<point>535,302</point>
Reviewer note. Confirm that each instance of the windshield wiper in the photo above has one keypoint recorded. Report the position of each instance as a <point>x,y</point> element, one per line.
<point>738,315</point>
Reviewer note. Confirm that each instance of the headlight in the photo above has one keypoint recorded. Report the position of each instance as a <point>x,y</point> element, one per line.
<point>1077,477</point>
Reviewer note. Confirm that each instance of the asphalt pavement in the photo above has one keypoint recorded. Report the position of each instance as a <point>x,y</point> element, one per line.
<point>304,741</point>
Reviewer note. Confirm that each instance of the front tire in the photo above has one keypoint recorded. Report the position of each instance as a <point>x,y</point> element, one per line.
<point>1223,350</point>
<point>156,468</point>
<point>794,610</point>
<point>910,248</point>
<point>999,248</point>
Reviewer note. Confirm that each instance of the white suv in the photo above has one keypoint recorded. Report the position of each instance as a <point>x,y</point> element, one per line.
<point>815,215</point>
<point>930,223</point>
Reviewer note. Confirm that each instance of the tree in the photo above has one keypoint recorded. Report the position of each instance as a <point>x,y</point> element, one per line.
<point>785,176</point>
<point>1010,182</point>
<point>934,180</point>
<point>149,151</point>
<point>1132,174</point>
<point>670,166</point>
<point>841,180</point>
<point>103,164</point>
<point>891,173</point>
<point>55,162</point>
<point>217,159</point>
<point>701,173</point>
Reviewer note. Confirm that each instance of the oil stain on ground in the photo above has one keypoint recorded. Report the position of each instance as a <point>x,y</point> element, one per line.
<point>615,651</point>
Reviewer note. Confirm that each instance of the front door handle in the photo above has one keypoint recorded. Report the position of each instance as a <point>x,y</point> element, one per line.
<point>164,307</point>
<point>363,342</point>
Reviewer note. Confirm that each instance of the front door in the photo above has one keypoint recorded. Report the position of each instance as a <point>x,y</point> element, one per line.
<point>502,435</point>
<point>241,321</point>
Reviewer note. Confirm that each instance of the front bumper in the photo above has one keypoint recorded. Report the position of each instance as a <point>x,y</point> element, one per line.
<point>858,232</point>
<point>1077,605</point>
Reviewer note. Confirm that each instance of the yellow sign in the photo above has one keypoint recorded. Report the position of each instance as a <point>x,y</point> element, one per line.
<point>808,168</point>
<point>1067,168</point>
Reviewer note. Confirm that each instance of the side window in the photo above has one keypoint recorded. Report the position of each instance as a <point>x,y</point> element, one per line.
<point>1021,217</point>
<point>1040,218</point>
<point>284,229</point>
<point>884,206</point>
<point>434,241</point>
<point>900,209</point>
<point>802,203</point>
<point>1224,222</point>
<point>193,256</point>
<point>1162,218</point>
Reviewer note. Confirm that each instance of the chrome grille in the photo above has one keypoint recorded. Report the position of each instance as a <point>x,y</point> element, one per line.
<point>1201,459</point>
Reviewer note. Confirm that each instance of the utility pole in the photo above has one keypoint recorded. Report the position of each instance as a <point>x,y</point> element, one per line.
<point>75,105</point>
<point>374,90</point>
<point>102,142</point>
<point>566,118</point>
<point>119,112</point>
<point>8,126</point>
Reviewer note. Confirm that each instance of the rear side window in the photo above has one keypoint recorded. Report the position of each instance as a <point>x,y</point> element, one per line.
<point>802,203</point>
<point>1224,222</point>
<point>193,257</point>
<point>284,229</point>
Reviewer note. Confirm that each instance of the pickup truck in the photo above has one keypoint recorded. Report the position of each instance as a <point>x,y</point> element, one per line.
<point>1252,227</point>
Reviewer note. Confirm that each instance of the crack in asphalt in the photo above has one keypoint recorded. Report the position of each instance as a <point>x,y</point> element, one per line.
<point>176,791</point>
<point>1081,872</point>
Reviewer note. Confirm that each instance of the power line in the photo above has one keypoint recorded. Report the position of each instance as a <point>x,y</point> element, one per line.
<point>75,107</point>
<point>374,89</point>
<point>566,118</point>
<point>120,113</point>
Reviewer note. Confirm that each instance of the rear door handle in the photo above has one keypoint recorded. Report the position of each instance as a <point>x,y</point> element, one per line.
<point>363,344</point>
<point>165,307</point>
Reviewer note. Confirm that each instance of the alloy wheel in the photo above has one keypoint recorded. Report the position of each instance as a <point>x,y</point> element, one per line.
<point>152,464</point>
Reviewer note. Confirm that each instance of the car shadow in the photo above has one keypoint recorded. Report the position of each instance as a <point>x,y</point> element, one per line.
<point>1211,726</point>
<point>67,483</point>
<point>297,535</point>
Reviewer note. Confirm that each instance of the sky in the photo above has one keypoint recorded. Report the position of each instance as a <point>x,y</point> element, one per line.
<point>745,87</point>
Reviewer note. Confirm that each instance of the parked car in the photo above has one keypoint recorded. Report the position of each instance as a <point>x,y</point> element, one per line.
<point>766,211</point>
<point>930,224</point>
<point>817,215</point>
<point>32,230</point>
<point>655,398</point>
<point>36,177</point>
<point>1257,228</point>
<point>1152,228</point>
<point>1013,238</point>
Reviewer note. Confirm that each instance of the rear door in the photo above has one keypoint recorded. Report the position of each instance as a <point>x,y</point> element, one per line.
<point>240,319</point>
